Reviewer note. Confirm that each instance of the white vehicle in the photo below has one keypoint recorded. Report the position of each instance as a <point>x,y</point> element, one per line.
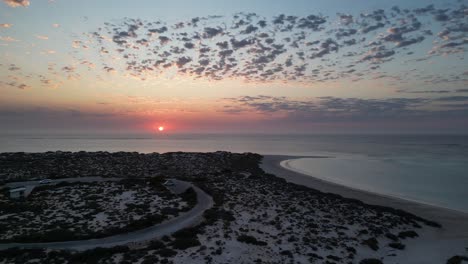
<point>168,183</point>
<point>45,181</point>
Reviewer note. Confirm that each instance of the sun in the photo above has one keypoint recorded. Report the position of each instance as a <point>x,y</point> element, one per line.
<point>161,129</point>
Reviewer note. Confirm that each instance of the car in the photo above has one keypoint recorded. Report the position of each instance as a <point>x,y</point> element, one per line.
<point>45,181</point>
<point>168,183</point>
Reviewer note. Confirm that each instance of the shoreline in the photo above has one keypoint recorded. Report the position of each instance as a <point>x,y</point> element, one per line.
<point>286,164</point>
<point>454,223</point>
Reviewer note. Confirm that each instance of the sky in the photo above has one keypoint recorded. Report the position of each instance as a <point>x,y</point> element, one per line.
<point>257,66</point>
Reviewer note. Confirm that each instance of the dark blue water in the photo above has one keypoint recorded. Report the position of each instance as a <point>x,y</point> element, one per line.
<point>374,145</point>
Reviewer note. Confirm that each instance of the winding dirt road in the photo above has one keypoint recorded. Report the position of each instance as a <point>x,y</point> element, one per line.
<point>186,219</point>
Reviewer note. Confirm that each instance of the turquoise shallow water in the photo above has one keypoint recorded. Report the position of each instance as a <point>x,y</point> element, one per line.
<point>442,183</point>
<point>430,169</point>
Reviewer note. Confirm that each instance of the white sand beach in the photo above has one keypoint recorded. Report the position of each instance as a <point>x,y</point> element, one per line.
<point>433,246</point>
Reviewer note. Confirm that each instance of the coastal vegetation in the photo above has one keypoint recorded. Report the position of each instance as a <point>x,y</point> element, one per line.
<point>256,216</point>
<point>85,210</point>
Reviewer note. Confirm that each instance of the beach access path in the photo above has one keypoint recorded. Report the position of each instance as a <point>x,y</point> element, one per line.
<point>136,238</point>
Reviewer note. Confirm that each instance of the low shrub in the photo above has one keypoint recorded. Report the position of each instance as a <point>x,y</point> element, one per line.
<point>457,259</point>
<point>94,256</point>
<point>190,196</point>
<point>371,261</point>
<point>391,236</point>
<point>251,240</point>
<point>397,245</point>
<point>372,243</point>
<point>185,242</point>
<point>406,234</point>
<point>156,244</point>
<point>166,252</point>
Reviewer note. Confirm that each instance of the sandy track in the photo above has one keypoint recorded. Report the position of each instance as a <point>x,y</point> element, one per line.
<point>186,219</point>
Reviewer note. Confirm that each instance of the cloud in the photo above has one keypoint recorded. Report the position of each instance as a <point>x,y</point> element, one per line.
<point>378,54</point>
<point>4,25</point>
<point>249,29</point>
<point>210,32</point>
<point>441,16</point>
<point>425,92</point>
<point>453,99</point>
<point>8,39</point>
<point>407,42</point>
<point>13,67</point>
<point>23,86</point>
<point>17,3</point>
<point>46,52</point>
<point>249,47</point>
<point>42,37</point>
<point>237,44</point>
<point>189,45</point>
<point>342,32</point>
<point>50,83</point>
<point>164,40</point>
<point>158,30</point>
<point>334,109</point>
<point>69,71</point>
<point>182,61</point>
<point>88,64</point>
<point>76,44</point>
<point>312,22</point>
<point>346,19</point>
<point>50,118</point>
<point>109,69</point>
<point>370,28</point>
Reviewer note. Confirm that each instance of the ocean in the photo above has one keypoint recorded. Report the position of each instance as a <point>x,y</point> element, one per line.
<point>430,169</point>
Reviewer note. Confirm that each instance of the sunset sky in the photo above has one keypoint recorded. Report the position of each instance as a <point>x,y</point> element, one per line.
<point>265,66</point>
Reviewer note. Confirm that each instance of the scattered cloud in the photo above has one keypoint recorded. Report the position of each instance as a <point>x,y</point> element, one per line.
<point>8,39</point>
<point>50,83</point>
<point>425,91</point>
<point>285,47</point>
<point>76,44</point>
<point>17,3</point>
<point>109,69</point>
<point>23,86</point>
<point>45,52</point>
<point>42,37</point>
<point>64,118</point>
<point>15,81</point>
<point>5,25</point>
<point>453,99</point>
<point>330,109</point>
<point>13,67</point>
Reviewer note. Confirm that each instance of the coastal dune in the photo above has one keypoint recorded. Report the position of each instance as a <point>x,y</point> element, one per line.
<point>434,245</point>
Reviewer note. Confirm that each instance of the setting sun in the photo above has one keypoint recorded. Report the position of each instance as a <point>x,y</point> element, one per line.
<point>161,128</point>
